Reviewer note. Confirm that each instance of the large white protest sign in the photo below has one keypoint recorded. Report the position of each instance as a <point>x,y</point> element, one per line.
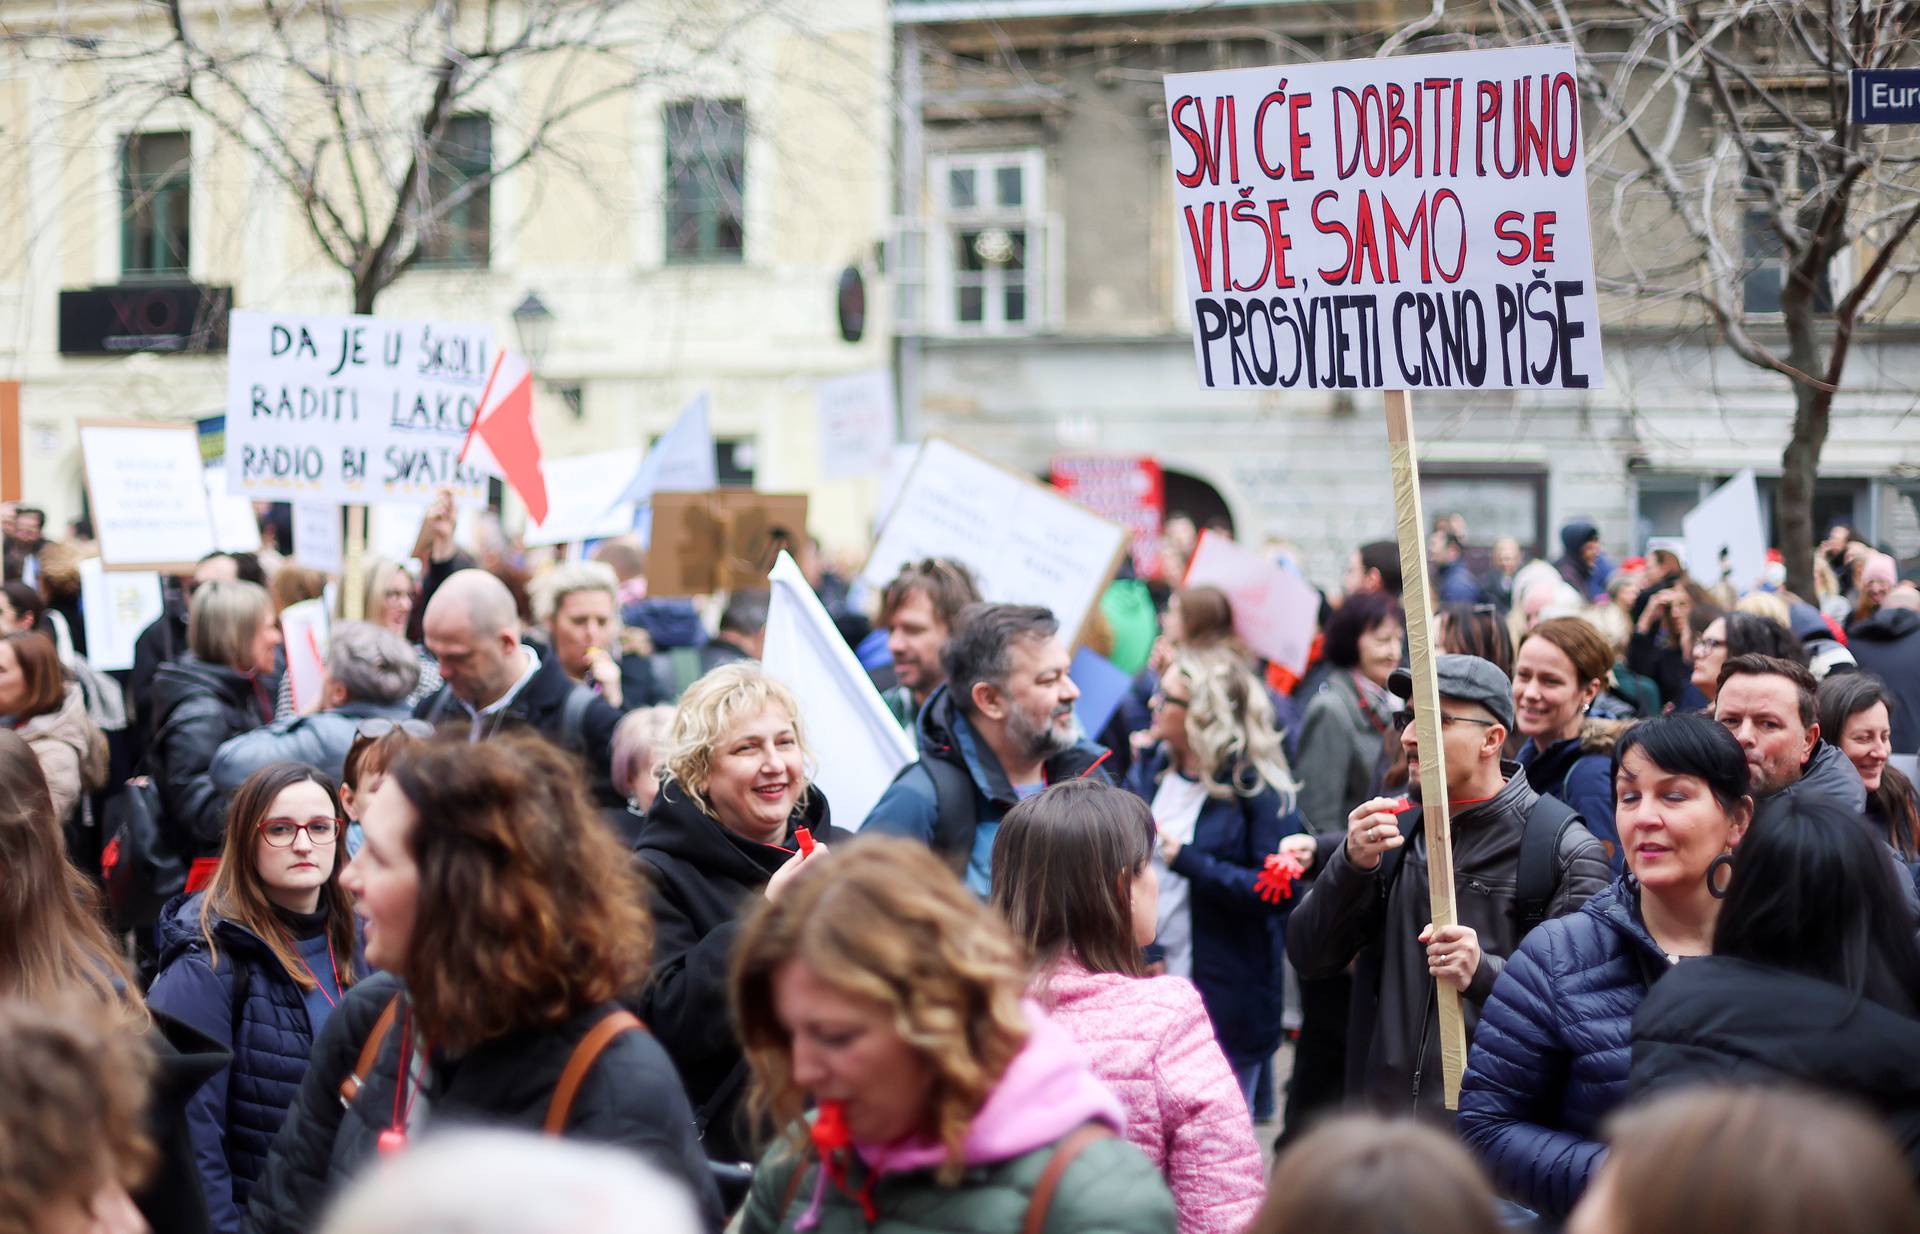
<point>352,409</point>
<point>1025,543</point>
<point>856,424</point>
<point>1726,537</point>
<point>581,498</point>
<point>148,495</point>
<point>1413,222</point>
<point>857,744</point>
<point>116,606</point>
<point>1274,611</point>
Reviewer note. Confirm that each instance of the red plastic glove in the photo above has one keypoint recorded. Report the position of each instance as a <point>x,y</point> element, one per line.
<point>1275,882</point>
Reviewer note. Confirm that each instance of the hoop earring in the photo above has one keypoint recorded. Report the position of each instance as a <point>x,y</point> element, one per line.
<point>1719,890</point>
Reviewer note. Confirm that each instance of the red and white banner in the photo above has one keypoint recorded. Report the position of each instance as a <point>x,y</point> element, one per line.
<point>1126,489</point>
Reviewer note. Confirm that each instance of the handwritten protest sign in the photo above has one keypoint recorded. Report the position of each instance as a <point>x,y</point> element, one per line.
<point>147,493</point>
<point>236,528</point>
<point>1414,222</point>
<point>304,632</point>
<point>116,606</point>
<point>352,409</point>
<point>1274,611</point>
<point>856,424</point>
<point>1025,543</point>
<point>1130,490</point>
<point>317,542</point>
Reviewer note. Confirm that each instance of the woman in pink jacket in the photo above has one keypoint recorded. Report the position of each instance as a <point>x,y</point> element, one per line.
<point>1073,875</point>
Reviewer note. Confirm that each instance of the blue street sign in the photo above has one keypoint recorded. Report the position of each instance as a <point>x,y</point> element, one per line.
<point>1885,96</point>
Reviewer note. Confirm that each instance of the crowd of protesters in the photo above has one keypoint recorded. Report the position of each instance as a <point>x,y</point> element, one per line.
<point>535,915</point>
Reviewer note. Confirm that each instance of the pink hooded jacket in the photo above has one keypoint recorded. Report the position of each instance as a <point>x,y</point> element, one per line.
<point>1150,1040</point>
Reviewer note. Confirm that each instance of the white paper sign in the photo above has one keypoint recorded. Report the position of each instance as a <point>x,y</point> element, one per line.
<point>581,498</point>
<point>1728,522</point>
<point>317,536</point>
<point>1274,611</point>
<point>857,744</point>
<point>856,424</point>
<point>149,496</point>
<point>353,409</point>
<point>236,529</point>
<point>1025,543</point>
<point>116,606</point>
<point>1414,222</point>
<point>304,628</point>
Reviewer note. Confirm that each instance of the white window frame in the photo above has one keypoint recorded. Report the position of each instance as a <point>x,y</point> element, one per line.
<point>943,277</point>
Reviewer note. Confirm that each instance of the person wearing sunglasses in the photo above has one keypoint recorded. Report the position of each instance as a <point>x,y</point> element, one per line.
<point>1371,902</point>
<point>258,962</point>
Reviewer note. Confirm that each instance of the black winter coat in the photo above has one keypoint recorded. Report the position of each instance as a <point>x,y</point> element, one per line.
<point>542,706</point>
<point>703,877</point>
<point>629,1098</point>
<point>1728,1020</point>
<point>196,706</point>
<point>1887,644</point>
<point>1550,1059</point>
<point>1393,1039</point>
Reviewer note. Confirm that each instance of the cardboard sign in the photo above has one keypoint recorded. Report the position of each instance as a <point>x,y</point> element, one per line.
<point>1414,222</point>
<point>1726,537</point>
<point>116,606</point>
<point>352,409</point>
<point>1129,490</point>
<point>304,629</point>
<point>581,498</point>
<point>1274,611</point>
<point>1024,542</point>
<point>858,747</point>
<point>317,541</point>
<point>723,540</point>
<point>856,424</point>
<point>148,495</point>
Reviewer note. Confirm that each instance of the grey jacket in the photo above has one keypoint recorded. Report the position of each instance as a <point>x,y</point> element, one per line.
<point>1341,751</point>
<point>1393,1043</point>
<point>319,740</point>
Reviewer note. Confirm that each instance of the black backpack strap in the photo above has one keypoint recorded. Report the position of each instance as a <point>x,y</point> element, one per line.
<point>954,816</point>
<point>1547,821</point>
<point>573,718</point>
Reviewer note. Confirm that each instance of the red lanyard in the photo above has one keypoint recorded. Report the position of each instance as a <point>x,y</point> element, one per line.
<point>332,964</point>
<point>394,1138</point>
<point>1366,707</point>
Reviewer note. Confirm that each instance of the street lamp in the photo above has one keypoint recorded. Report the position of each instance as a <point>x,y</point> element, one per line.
<point>533,324</point>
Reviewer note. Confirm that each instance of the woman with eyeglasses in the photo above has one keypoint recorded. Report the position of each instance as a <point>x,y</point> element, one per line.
<point>1739,634</point>
<point>258,962</point>
<point>388,601</point>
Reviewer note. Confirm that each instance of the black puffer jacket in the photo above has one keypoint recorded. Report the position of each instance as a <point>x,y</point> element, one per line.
<point>196,706</point>
<point>1393,1042</point>
<point>630,1098</point>
<point>703,877</point>
<point>1721,1019</point>
<point>583,728</point>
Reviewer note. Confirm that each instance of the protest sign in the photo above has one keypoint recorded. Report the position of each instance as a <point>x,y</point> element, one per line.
<point>858,746</point>
<point>116,606</point>
<point>1126,489</point>
<point>682,461</point>
<point>1024,542</point>
<point>316,536</point>
<point>147,493</point>
<point>236,528</point>
<point>1412,222</point>
<point>1274,611</point>
<point>352,409</point>
<point>722,540</point>
<point>1726,537</point>
<point>581,493</point>
<point>304,632</point>
<point>856,424</point>
<point>1102,685</point>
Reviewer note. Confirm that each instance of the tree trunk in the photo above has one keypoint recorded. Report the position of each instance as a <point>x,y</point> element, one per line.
<point>1799,466</point>
<point>365,290</point>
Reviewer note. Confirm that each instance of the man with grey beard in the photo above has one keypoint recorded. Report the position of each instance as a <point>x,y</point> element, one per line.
<point>1001,728</point>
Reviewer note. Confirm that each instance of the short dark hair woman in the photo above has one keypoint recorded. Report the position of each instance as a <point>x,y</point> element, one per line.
<point>258,962</point>
<point>509,923</point>
<point>1814,976</point>
<point>1855,716</point>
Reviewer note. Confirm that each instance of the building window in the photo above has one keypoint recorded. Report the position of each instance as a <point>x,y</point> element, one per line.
<point>155,189</point>
<point>988,242</point>
<point>1495,501</point>
<point>706,180</point>
<point>1764,268</point>
<point>459,233</point>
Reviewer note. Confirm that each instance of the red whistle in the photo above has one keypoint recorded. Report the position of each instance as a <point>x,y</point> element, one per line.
<point>1401,806</point>
<point>804,839</point>
<point>390,1141</point>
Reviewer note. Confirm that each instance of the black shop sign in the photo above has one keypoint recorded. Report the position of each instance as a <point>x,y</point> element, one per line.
<point>118,320</point>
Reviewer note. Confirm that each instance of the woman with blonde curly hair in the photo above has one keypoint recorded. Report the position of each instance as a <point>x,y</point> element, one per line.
<point>722,832</point>
<point>510,927</point>
<point>881,991</point>
<point>1223,799</point>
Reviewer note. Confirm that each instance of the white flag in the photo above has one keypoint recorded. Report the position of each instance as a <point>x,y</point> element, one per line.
<point>858,747</point>
<point>680,462</point>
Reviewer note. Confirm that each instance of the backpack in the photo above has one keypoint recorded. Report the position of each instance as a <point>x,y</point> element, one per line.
<point>1547,821</point>
<point>955,817</point>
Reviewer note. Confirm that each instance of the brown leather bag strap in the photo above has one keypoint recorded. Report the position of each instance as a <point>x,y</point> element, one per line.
<point>1069,1148</point>
<point>794,1180</point>
<point>369,1051</point>
<point>585,1054</point>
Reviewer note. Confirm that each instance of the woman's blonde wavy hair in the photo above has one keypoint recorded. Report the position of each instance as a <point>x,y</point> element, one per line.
<point>886,922</point>
<point>709,710</point>
<point>1230,726</point>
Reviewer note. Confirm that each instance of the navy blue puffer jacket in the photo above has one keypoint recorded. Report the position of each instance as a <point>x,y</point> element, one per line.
<point>244,1000</point>
<point>1550,1059</point>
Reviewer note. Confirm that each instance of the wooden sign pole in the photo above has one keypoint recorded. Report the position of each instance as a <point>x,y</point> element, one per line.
<point>1437,821</point>
<point>353,588</point>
